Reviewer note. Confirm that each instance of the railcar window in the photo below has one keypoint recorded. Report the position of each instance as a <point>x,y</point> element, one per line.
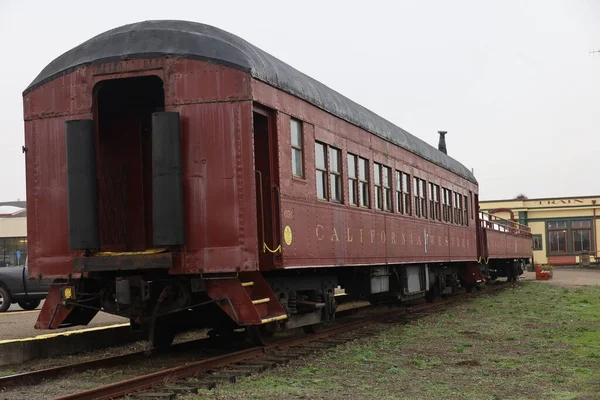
<point>382,180</point>
<point>297,153</point>
<point>471,201</point>
<point>434,201</point>
<point>420,197</point>
<point>447,204</point>
<point>386,180</point>
<point>466,211</point>
<point>457,212</point>
<point>378,189</point>
<point>399,201</point>
<point>352,181</point>
<point>321,168</point>
<point>403,192</point>
<point>363,182</point>
<point>335,174</point>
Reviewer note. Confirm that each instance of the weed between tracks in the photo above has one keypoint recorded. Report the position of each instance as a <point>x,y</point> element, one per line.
<point>535,342</point>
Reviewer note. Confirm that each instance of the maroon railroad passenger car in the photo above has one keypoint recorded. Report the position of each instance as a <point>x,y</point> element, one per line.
<point>179,176</point>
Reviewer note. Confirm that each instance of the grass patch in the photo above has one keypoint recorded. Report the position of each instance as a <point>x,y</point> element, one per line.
<point>538,341</point>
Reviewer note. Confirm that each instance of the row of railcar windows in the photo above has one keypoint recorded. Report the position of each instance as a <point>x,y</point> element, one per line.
<point>428,201</point>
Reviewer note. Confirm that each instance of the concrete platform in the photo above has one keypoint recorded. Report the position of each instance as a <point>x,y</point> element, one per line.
<point>19,341</point>
<point>18,324</point>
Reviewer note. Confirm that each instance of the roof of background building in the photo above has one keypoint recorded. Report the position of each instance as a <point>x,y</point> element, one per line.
<point>541,198</point>
<point>13,209</point>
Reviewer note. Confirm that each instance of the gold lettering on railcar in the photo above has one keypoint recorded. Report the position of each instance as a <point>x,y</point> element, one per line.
<point>395,237</point>
<point>321,236</point>
<point>334,236</point>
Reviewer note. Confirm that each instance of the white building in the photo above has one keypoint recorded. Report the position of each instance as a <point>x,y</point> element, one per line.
<point>13,233</point>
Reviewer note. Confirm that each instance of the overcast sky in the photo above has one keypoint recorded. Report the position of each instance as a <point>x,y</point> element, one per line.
<point>513,82</point>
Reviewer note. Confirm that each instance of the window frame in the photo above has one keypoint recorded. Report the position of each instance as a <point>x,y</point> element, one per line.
<point>541,242</point>
<point>465,211</point>
<point>335,175</point>
<point>325,171</point>
<point>295,148</point>
<point>550,230</point>
<point>403,192</point>
<point>382,187</point>
<point>352,179</point>
<point>577,229</point>
<point>364,201</point>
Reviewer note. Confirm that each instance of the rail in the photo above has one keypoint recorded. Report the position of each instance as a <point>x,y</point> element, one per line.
<point>495,223</point>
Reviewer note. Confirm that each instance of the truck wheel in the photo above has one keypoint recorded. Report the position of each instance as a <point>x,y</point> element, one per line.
<point>29,304</point>
<point>5,299</point>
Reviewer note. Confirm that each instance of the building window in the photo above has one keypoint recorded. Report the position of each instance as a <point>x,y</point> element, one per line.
<point>582,236</point>
<point>382,181</point>
<point>363,182</point>
<point>434,201</point>
<point>335,174</point>
<point>537,242</point>
<point>352,181</point>
<point>13,251</point>
<point>403,192</point>
<point>420,197</point>
<point>321,168</point>
<point>557,237</point>
<point>296,131</point>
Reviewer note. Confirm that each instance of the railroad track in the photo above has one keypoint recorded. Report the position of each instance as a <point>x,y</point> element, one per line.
<point>230,365</point>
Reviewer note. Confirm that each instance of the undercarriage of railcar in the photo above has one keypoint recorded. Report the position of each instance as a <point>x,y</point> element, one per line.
<point>163,305</point>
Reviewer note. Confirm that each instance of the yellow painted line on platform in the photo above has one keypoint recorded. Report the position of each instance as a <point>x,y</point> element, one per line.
<point>18,312</point>
<point>67,333</point>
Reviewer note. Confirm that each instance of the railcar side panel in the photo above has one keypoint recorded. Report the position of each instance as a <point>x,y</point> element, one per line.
<point>325,233</point>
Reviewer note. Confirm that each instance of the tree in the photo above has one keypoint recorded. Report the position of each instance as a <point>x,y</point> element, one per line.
<point>521,196</point>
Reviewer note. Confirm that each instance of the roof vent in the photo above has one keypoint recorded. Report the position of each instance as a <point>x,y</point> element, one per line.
<point>442,142</point>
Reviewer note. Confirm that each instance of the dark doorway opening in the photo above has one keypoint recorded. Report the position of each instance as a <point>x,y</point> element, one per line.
<point>267,191</point>
<point>123,113</point>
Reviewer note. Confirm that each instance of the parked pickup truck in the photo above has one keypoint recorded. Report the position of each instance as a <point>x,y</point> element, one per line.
<point>15,287</point>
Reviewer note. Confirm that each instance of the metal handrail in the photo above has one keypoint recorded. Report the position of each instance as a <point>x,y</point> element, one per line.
<point>262,209</point>
<point>493,222</point>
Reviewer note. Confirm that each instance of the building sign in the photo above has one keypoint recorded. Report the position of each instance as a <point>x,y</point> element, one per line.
<point>558,202</point>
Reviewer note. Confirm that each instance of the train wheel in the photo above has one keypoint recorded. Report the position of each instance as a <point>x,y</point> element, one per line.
<point>161,336</point>
<point>253,334</point>
<point>268,330</point>
<point>315,328</point>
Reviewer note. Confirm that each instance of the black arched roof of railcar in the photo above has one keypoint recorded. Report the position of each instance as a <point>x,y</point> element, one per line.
<point>194,40</point>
